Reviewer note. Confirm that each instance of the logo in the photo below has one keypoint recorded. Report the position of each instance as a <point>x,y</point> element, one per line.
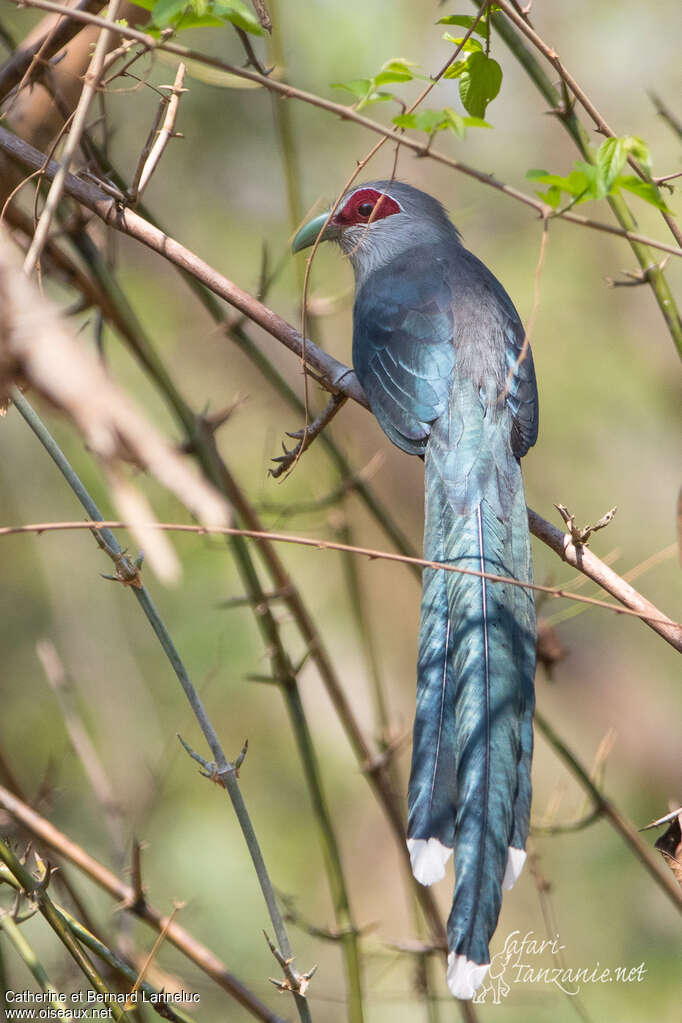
<point>520,962</point>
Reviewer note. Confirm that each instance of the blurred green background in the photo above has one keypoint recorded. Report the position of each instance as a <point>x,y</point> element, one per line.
<point>610,425</point>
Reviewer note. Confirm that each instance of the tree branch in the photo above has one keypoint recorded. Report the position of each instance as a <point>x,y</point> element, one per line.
<point>633,602</point>
<point>124,895</point>
<point>348,114</point>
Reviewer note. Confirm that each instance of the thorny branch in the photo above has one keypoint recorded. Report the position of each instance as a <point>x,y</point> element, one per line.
<point>348,114</point>
<point>77,126</point>
<point>224,770</point>
<point>125,897</point>
<point>633,602</point>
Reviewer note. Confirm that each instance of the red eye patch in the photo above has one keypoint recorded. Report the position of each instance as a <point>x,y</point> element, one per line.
<point>364,205</point>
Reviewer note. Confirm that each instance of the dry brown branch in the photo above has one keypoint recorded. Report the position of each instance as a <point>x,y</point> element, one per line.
<point>149,165</point>
<point>602,127</point>
<point>590,565</point>
<point>262,14</point>
<point>50,36</point>
<point>633,602</point>
<point>332,374</point>
<point>348,114</point>
<point>199,954</point>
<point>37,346</point>
<point>54,195</point>
<point>80,740</point>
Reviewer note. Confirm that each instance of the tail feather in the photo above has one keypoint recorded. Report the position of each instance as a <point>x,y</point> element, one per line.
<point>433,779</point>
<point>488,706</point>
<point>470,779</point>
<point>524,656</point>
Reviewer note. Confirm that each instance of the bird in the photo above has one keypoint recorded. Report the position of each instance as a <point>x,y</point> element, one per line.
<point>441,353</point>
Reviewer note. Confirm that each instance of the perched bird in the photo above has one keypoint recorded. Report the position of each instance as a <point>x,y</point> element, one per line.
<point>439,349</point>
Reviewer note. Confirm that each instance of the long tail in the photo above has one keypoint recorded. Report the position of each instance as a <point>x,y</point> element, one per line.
<point>470,780</point>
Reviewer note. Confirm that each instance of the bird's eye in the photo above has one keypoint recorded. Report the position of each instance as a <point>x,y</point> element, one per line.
<point>365,209</point>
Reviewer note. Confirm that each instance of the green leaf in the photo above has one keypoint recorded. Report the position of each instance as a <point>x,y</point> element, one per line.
<point>545,178</point>
<point>476,122</point>
<point>402,66</point>
<point>479,83</point>
<point>465,21</point>
<point>364,91</point>
<point>426,120</point>
<point>384,77</point>
<point>455,70</point>
<point>587,180</point>
<point>611,157</point>
<point>166,11</point>
<point>644,189</point>
<point>470,46</point>
<point>552,196</point>
<point>637,148</point>
<point>447,119</point>
<point>360,87</point>
<point>237,12</point>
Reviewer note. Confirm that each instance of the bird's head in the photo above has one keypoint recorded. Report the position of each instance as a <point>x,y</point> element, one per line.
<point>375,222</point>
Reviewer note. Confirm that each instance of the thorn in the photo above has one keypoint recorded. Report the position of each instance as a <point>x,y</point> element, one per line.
<point>636,277</point>
<point>663,820</point>
<point>580,537</point>
<point>240,759</point>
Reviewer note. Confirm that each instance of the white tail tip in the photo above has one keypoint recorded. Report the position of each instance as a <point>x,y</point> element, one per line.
<point>428,857</point>
<point>515,861</point>
<point>465,976</point>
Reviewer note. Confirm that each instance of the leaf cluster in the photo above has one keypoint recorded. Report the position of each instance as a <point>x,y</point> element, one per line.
<point>603,177</point>
<point>184,14</point>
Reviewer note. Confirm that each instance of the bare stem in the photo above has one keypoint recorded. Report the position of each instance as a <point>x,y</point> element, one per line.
<point>225,771</point>
<point>126,896</point>
<point>618,821</point>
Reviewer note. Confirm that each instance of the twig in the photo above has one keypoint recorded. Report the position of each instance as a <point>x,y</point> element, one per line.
<point>251,58</point>
<point>664,111</point>
<point>199,954</point>
<point>102,951</point>
<point>20,64</point>
<point>54,195</point>
<point>634,603</point>
<point>82,744</point>
<point>528,333</point>
<point>348,114</point>
<point>260,7</point>
<point>564,110</point>
<point>621,824</point>
<point>224,770</point>
<point>590,565</point>
<point>565,829</point>
<point>38,891</point>
<point>165,135</point>
<point>16,937</point>
<point>601,125</point>
<point>663,820</point>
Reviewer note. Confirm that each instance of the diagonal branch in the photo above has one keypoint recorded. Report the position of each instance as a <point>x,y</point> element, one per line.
<point>331,373</point>
<point>566,113</point>
<point>634,603</point>
<point>90,84</point>
<point>348,114</point>
<point>124,895</point>
<point>21,62</point>
<point>224,771</point>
